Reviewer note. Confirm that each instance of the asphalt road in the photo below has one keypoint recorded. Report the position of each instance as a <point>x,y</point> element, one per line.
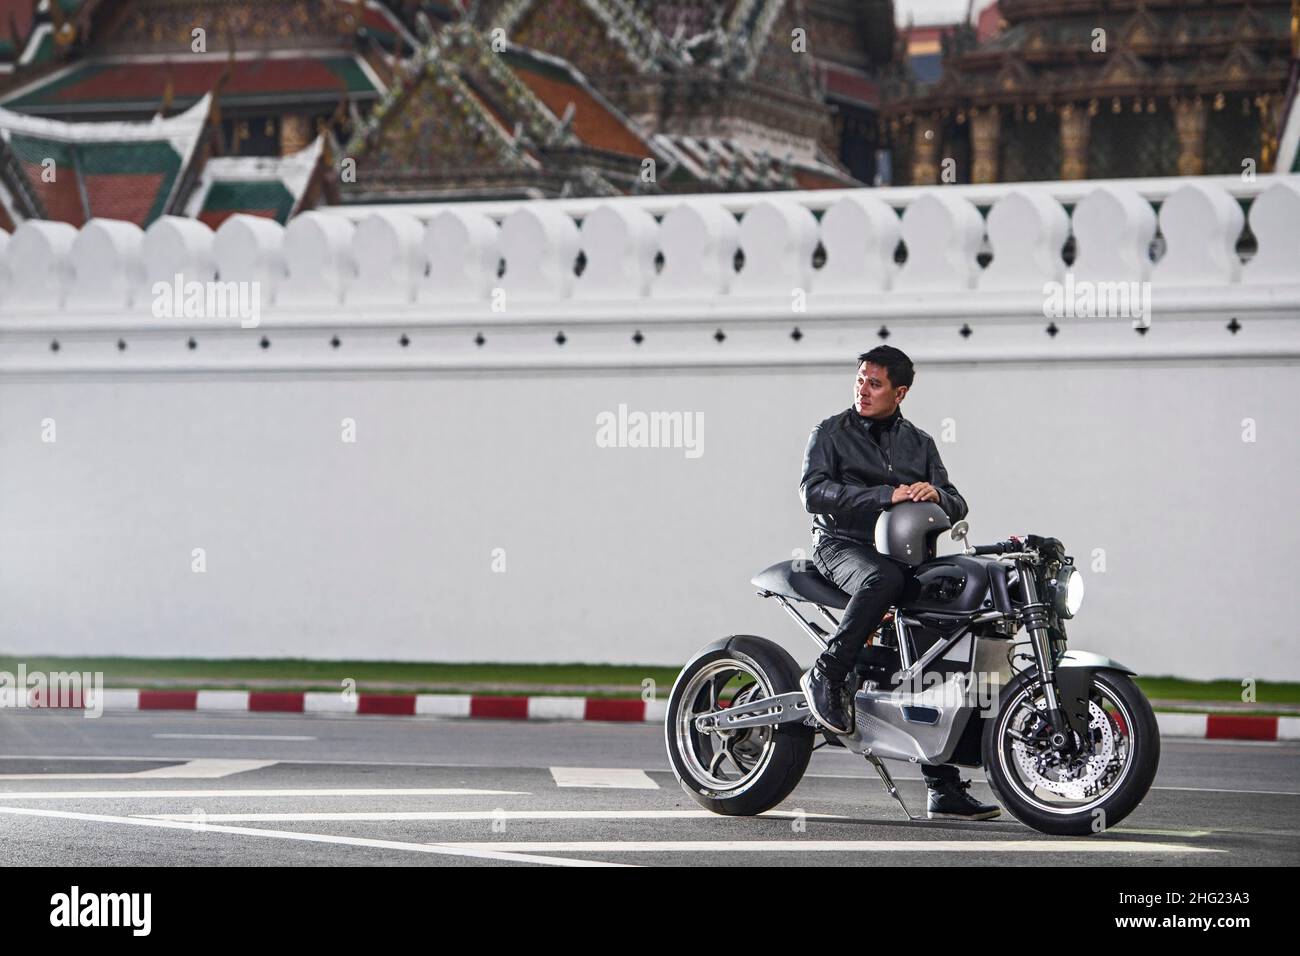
<point>177,788</point>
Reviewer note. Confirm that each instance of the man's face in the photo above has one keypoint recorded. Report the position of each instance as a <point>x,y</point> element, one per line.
<point>873,394</point>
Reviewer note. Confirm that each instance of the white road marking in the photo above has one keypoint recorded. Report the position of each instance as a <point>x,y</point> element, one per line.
<point>231,737</point>
<point>984,783</point>
<point>470,815</point>
<point>1273,793</point>
<point>157,758</point>
<point>864,777</point>
<point>1281,833</point>
<point>434,848</point>
<point>604,778</point>
<point>167,794</point>
<point>487,815</point>
<point>203,768</point>
<point>841,846</point>
<point>206,768</point>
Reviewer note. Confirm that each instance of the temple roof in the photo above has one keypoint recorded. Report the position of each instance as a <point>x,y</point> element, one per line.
<point>726,164</point>
<point>845,84</point>
<point>17,19</point>
<point>462,112</point>
<point>690,18</point>
<point>1046,55</point>
<point>707,68</point>
<point>117,170</point>
<point>629,29</point>
<point>729,34</point>
<point>27,31</point>
<point>467,121</point>
<point>595,121</point>
<point>135,84</point>
<point>268,186</point>
<point>379,23</point>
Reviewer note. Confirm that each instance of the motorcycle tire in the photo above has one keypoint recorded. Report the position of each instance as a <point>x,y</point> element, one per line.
<point>1091,818</point>
<point>785,748</point>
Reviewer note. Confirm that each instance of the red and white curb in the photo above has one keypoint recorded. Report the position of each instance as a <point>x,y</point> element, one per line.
<point>1228,726</point>
<point>1206,726</point>
<point>389,705</point>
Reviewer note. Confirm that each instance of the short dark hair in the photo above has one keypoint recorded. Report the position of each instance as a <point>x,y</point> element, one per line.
<point>894,361</point>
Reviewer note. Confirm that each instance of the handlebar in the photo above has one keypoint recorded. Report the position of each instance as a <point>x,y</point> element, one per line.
<point>1048,549</point>
<point>1002,547</point>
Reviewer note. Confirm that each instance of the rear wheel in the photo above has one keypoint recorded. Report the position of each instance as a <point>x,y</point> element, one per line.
<point>737,772</point>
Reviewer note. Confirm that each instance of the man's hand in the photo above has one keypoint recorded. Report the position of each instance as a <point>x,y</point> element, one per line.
<point>901,493</point>
<point>921,491</point>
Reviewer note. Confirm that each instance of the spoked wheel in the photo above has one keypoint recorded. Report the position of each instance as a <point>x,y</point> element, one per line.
<point>1090,790</point>
<point>735,772</point>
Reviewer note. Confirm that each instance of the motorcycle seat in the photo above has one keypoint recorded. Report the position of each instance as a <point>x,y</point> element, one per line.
<point>800,581</point>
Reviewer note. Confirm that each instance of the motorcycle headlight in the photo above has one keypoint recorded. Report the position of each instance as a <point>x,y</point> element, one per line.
<point>1067,591</point>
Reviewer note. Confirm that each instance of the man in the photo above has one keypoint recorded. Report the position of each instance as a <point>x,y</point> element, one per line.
<point>858,463</point>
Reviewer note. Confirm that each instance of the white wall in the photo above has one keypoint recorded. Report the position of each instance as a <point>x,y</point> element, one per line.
<point>383,548</point>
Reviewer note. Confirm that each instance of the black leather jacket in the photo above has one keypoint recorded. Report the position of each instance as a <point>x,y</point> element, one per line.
<point>848,478</point>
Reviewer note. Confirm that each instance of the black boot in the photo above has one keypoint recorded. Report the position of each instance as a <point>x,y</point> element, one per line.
<point>950,801</point>
<point>828,697</point>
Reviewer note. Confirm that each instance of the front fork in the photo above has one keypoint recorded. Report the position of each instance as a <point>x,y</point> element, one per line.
<point>1036,618</point>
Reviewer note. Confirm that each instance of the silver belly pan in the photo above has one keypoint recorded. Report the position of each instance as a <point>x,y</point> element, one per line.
<point>922,721</point>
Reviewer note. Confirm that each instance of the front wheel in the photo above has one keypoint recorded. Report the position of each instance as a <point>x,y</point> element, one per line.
<point>737,772</point>
<point>1089,791</point>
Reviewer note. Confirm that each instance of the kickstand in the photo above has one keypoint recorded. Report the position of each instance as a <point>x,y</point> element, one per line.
<point>889,783</point>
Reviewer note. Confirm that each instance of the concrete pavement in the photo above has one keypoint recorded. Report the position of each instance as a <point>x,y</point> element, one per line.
<point>177,788</point>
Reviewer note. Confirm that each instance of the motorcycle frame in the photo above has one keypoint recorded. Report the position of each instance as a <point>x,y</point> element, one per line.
<point>912,666</point>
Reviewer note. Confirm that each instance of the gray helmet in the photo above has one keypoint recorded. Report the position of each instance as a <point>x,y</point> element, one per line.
<point>907,532</point>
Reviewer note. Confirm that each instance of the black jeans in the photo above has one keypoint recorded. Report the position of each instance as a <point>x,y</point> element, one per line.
<point>874,584</point>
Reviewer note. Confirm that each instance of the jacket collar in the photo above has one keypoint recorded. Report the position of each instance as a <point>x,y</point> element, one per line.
<point>881,424</point>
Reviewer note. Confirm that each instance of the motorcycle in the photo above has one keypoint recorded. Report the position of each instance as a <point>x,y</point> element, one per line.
<point>1067,740</point>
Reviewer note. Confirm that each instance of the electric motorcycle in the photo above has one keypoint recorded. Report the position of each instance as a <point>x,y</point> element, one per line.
<point>970,668</point>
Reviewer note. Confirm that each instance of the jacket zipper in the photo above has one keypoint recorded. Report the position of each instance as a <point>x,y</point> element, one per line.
<point>889,454</point>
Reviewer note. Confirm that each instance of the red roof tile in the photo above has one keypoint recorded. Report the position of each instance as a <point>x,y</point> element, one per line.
<point>61,198</point>
<point>807,179</point>
<point>19,14</point>
<point>851,85</point>
<point>593,123</point>
<point>126,196</point>
<point>126,171</point>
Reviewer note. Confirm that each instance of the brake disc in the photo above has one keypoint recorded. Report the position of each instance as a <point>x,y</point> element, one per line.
<point>1080,778</point>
